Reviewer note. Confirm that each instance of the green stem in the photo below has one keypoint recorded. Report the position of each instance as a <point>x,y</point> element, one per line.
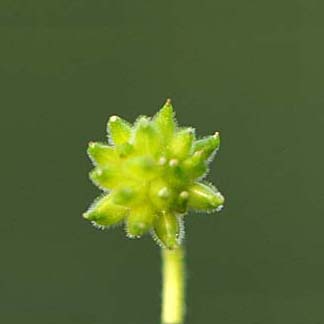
<point>173,288</point>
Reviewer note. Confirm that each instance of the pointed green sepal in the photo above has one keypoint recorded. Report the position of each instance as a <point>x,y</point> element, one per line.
<point>101,154</point>
<point>119,130</point>
<point>166,228</point>
<point>181,143</point>
<point>204,197</point>
<point>139,221</point>
<point>164,121</point>
<point>208,145</point>
<point>105,213</point>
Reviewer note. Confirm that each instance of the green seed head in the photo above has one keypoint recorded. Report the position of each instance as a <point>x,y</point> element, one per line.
<point>151,174</point>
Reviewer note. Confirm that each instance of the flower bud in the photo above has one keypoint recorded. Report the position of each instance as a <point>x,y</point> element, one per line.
<point>152,171</point>
<point>166,228</point>
<point>204,197</point>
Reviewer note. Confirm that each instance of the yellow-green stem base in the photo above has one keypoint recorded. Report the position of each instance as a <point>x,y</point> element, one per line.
<point>173,286</point>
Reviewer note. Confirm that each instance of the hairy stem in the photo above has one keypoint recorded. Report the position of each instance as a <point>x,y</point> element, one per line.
<point>173,287</point>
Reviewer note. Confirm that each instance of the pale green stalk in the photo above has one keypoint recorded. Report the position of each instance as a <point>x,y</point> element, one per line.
<point>173,286</point>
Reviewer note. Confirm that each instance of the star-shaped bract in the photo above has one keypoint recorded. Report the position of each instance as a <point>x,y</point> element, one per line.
<point>151,176</point>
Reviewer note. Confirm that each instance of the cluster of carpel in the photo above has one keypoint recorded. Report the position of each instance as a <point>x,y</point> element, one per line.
<point>151,174</point>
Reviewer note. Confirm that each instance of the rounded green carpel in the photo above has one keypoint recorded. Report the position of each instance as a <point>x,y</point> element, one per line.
<point>195,166</point>
<point>140,221</point>
<point>208,145</point>
<point>167,230</point>
<point>204,197</point>
<point>182,202</point>
<point>181,144</point>
<point>150,173</point>
<point>126,196</point>
<point>119,130</point>
<point>160,194</point>
<point>164,122</point>
<point>104,177</point>
<point>102,154</point>
<point>145,138</point>
<point>105,212</point>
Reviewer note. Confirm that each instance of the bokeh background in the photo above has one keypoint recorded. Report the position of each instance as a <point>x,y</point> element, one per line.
<point>252,70</point>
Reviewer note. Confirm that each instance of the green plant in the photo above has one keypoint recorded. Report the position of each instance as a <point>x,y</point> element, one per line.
<point>151,175</point>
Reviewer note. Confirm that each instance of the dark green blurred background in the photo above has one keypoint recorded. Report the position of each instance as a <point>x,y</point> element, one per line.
<point>252,70</point>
